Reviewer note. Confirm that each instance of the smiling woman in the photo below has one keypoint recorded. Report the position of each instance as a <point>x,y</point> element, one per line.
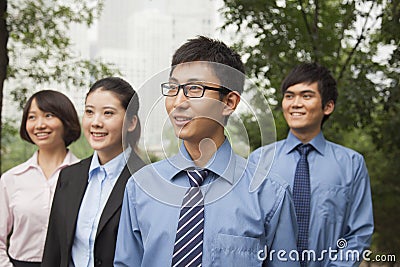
<point>50,122</point>
<point>102,124</point>
<point>87,205</point>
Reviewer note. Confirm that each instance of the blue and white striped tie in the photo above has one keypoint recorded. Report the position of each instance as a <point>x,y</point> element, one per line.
<point>188,248</point>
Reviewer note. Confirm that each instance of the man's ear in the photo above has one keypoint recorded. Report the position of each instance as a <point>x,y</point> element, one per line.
<point>231,101</point>
<point>131,124</point>
<point>329,107</point>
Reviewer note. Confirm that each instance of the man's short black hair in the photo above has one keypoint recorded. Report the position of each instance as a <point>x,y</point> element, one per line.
<point>210,50</point>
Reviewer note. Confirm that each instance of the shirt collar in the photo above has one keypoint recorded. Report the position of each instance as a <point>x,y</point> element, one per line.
<point>68,160</point>
<point>32,162</point>
<point>318,142</point>
<point>112,168</point>
<point>222,163</point>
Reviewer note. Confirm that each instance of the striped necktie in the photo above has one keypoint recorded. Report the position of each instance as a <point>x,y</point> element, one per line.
<point>302,199</point>
<point>188,247</point>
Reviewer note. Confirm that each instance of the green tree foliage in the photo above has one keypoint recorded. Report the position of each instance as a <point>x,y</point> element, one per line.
<point>350,38</point>
<point>36,49</point>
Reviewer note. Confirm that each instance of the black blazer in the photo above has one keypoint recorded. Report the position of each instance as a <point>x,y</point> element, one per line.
<point>71,187</point>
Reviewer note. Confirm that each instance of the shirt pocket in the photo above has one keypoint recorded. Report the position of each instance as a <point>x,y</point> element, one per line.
<point>332,201</point>
<point>230,250</point>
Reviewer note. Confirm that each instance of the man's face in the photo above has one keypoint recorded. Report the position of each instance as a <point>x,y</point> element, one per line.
<point>302,108</point>
<point>195,119</point>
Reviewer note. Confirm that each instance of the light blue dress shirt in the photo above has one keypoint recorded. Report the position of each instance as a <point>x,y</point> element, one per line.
<point>239,224</point>
<point>341,207</point>
<point>101,181</point>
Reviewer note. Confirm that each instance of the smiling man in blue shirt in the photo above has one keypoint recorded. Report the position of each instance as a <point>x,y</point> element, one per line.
<point>340,222</point>
<point>226,223</point>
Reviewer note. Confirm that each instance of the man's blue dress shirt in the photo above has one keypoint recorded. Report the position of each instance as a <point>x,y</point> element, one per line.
<point>341,206</point>
<point>239,224</point>
<point>101,181</point>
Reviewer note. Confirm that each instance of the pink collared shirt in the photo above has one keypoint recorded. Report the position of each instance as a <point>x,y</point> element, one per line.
<point>25,202</point>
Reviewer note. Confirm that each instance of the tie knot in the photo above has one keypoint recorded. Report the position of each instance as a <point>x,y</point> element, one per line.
<point>305,149</point>
<point>196,177</point>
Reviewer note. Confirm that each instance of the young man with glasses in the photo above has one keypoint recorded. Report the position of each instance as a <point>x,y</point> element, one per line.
<point>195,208</point>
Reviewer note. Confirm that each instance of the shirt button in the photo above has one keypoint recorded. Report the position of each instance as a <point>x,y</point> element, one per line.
<point>97,262</point>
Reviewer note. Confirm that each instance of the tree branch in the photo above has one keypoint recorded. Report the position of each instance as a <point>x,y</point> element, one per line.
<point>3,58</point>
<point>364,30</point>
<point>308,27</point>
<point>316,32</point>
<point>346,21</point>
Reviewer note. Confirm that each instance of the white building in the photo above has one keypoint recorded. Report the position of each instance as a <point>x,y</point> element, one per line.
<point>140,36</point>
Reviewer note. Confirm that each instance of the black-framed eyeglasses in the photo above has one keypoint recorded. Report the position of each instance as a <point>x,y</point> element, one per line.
<point>190,90</point>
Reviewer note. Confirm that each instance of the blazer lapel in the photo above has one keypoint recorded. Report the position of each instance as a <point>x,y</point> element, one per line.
<point>114,202</point>
<point>76,190</point>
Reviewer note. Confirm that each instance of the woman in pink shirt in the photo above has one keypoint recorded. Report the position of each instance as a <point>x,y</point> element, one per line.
<point>50,122</point>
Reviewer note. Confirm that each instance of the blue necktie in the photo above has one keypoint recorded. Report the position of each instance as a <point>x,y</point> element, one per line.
<point>301,199</point>
<point>188,247</point>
